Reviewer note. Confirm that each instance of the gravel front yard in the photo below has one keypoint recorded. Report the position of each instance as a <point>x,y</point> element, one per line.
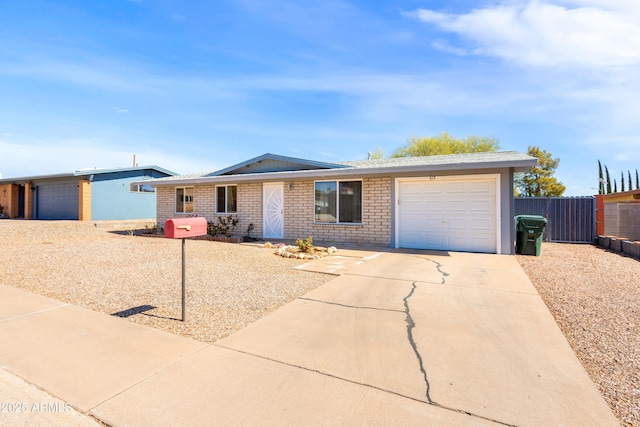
<point>594,296</point>
<point>228,285</point>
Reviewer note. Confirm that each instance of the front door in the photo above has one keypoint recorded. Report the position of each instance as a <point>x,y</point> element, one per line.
<point>273,210</point>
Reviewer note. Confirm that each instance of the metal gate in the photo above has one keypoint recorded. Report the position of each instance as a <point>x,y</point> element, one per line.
<point>570,219</point>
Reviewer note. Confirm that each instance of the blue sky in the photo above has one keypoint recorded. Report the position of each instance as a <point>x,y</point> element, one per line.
<point>197,86</point>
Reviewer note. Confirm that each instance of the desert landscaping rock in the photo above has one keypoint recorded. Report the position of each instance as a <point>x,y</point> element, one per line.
<point>594,295</point>
<point>290,251</point>
<point>103,267</point>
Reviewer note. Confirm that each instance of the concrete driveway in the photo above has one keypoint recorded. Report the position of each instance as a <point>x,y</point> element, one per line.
<point>398,338</point>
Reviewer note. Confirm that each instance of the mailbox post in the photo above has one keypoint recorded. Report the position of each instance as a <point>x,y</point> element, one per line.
<point>181,228</point>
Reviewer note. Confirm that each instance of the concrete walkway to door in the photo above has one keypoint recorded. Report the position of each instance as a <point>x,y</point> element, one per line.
<point>398,338</point>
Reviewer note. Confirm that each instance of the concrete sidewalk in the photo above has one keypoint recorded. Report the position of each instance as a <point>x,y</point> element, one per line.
<point>399,338</point>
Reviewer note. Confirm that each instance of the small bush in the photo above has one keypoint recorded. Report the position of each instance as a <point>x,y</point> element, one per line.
<point>152,228</point>
<point>224,227</point>
<point>305,245</point>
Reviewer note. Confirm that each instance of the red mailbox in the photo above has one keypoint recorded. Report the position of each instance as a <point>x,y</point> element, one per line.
<point>179,228</point>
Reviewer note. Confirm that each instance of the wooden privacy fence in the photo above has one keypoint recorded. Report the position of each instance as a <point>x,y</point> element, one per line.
<point>569,219</point>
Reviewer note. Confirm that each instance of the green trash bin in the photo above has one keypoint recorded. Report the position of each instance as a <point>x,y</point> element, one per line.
<point>529,231</point>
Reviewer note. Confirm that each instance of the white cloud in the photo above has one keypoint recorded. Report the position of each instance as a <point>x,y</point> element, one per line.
<point>102,74</point>
<point>445,46</point>
<point>27,157</point>
<point>588,33</point>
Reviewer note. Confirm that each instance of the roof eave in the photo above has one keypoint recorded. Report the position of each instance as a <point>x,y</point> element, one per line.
<point>116,170</point>
<point>518,166</point>
<point>25,179</point>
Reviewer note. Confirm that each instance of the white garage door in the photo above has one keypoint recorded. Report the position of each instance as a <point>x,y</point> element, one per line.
<point>448,213</point>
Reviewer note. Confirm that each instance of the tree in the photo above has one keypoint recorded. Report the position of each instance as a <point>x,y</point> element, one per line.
<point>600,179</point>
<point>377,154</point>
<point>539,180</point>
<point>445,144</point>
<point>605,185</point>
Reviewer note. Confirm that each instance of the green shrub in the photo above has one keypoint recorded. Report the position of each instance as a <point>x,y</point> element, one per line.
<point>305,245</point>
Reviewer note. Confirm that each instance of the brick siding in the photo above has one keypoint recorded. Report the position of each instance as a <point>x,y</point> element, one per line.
<point>298,213</point>
<point>376,215</point>
<point>249,206</point>
<point>621,220</point>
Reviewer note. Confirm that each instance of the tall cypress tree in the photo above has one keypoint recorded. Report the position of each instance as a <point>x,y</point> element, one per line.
<point>637,180</point>
<point>600,179</point>
<point>606,169</point>
<point>630,180</point>
<point>621,181</point>
<point>615,186</point>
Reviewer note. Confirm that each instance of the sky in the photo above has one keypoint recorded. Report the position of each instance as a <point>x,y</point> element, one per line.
<point>201,85</point>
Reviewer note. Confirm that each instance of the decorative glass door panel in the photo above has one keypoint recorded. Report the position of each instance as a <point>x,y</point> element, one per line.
<point>273,210</point>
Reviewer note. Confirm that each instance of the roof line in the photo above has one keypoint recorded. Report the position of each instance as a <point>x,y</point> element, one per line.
<point>80,173</point>
<point>517,165</point>
<point>270,156</point>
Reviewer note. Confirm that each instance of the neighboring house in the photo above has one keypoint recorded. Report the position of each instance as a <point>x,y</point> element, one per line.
<point>619,213</point>
<point>622,196</point>
<point>455,202</point>
<point>92,194</point>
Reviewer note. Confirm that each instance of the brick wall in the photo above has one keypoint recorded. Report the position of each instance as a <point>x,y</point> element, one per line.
<point>249,206</point>
<point>250,209</point>
<point>203,203</point>
<point>165,205</point>
<point>298,213</point>
<point>622,220</point>
<point>376,215</point>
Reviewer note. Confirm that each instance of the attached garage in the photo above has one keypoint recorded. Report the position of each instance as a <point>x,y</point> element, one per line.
<point>459,213</point>
<point>57,201</point>
<point>456,202</point>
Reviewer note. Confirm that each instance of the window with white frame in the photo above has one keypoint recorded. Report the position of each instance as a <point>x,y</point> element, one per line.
<point>226,199</point>
<point>338,202</point>
<point>184,199</point>
<point>141,188</point>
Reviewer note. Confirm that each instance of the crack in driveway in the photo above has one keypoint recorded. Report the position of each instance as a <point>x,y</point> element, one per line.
<point>351,306</point>
<point>438,267</point>
<point>410,325</point>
